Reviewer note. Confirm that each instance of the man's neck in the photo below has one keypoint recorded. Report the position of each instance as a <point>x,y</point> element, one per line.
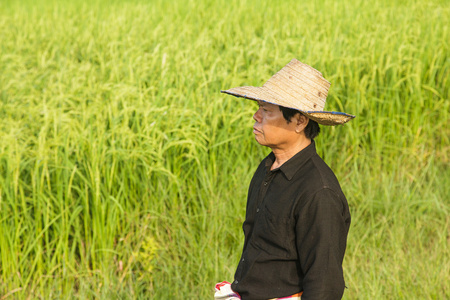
<point>282,155</point>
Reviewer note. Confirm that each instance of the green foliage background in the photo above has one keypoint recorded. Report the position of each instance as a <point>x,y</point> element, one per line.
<point>124,171</point>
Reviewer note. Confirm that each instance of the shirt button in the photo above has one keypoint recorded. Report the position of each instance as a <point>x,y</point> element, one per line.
<point>243,259</point>
<point>236,281</point>
<point>265,183</point>
<point>257,210</point>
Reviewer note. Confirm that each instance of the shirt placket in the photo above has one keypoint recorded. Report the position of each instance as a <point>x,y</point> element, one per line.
<point>263,190</point>
<point>260,202</point>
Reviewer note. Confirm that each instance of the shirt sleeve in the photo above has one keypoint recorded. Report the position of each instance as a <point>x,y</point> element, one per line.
<point>321,232</point>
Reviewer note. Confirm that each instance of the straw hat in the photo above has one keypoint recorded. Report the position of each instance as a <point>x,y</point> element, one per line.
<point>297,86</point>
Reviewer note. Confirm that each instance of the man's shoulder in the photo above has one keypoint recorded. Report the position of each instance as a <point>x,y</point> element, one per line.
<point>317,175</point>
<point>314,181</point>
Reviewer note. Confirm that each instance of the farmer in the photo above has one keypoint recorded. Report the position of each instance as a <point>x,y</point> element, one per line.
<point>297,217</point>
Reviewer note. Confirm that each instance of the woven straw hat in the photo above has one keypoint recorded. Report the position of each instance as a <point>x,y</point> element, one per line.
<point>297,86</point>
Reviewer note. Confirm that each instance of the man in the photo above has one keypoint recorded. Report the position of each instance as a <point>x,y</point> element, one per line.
<point>297,217</point>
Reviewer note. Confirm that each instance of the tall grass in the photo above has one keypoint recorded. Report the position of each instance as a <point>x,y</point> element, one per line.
<point>124,171</point>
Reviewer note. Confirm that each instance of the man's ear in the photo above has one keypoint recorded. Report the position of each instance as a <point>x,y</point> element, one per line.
<point>301,122</point>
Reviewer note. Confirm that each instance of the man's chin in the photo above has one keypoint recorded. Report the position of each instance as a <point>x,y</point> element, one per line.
<point>259,141</point>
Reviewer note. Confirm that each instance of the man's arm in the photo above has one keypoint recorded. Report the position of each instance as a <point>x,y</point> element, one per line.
<point>321,230</point>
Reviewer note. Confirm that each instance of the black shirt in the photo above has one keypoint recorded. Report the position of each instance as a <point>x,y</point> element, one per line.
<point>295,228</point>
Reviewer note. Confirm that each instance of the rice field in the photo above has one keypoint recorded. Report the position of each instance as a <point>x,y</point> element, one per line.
<point>124,170</point>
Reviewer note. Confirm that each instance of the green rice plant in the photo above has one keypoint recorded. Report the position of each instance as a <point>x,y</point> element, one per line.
<point>124,171</point>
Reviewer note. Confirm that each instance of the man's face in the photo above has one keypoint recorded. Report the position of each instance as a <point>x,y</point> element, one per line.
<point>271,128</point>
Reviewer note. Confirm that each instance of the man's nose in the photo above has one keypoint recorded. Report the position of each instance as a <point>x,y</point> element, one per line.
<point>257,115</point>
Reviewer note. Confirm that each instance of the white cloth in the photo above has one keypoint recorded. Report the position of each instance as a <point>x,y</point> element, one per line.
<point>224,292</point>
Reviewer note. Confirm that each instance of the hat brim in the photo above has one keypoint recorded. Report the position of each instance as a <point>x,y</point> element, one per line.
<point>328,118</point>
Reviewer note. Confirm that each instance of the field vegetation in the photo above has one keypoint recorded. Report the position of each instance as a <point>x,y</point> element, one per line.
<point>124,170</point>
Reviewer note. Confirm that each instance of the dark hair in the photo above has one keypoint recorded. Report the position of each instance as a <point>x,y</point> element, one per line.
<point>311,130</point>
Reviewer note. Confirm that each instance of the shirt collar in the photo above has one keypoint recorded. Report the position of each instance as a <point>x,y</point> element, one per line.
<point>290,167</point>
